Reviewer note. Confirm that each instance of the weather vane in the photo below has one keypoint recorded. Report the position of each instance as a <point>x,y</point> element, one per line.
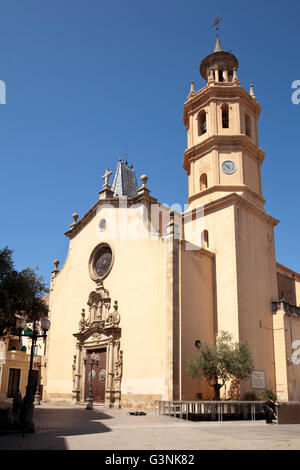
<point>216,23</point>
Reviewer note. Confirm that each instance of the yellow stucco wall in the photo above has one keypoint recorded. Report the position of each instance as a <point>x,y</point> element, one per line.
<point>14,360</point>
<point>287,337</point>
<point>257,287</point>
<point>138,282</point>
<point>197,314</point>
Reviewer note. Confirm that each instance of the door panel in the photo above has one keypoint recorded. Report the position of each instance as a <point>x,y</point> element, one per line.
<point>98,375</point>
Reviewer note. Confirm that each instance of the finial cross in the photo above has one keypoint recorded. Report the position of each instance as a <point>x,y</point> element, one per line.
<point>216,23</point>
<point>106,176</point>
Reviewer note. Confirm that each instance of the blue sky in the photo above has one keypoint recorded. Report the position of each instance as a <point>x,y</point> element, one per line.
<point>88,81</point>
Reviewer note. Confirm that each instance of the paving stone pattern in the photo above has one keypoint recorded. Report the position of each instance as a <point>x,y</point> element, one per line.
<point>74,428</point>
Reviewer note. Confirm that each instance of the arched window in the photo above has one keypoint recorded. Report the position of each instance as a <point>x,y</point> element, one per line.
<point>203,181</point>
<point>205,239</point>
<point>248,125</point>
<point>225,116</point>
<point>221,76</point>
<point>202,122</point>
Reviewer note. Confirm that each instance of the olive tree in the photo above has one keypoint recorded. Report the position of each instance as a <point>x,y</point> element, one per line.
<point>220,362</point>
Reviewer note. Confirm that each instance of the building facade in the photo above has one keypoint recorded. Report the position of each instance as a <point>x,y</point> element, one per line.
<point>141,284</point>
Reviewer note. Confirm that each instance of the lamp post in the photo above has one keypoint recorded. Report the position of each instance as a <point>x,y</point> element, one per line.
<point>39,365</point>
<point>94,360</point>
<point>28,406</point>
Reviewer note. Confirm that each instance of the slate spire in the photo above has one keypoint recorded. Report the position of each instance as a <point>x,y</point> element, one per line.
<point>124,182</point>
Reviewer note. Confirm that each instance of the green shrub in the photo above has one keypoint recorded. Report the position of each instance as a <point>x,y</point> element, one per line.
<point>250,396</point>
<point>269,395</point>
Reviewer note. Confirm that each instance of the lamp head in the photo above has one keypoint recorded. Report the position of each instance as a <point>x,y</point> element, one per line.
<point>20,324</point>
<point>45,324</point>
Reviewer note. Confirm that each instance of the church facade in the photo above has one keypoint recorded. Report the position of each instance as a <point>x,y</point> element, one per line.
<point>142,284</point>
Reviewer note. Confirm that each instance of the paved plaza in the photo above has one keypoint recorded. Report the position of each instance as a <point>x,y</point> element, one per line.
<point>64,427</point>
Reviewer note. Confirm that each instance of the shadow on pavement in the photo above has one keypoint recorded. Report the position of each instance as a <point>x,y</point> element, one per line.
<point>52,425</point>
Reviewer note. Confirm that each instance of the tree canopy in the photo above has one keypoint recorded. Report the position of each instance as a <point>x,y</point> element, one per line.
<point>21,293</point>
<point>220,362</point>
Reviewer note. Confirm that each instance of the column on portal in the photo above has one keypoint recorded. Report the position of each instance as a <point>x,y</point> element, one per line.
<point>76,390</point>
<point>110,364</point>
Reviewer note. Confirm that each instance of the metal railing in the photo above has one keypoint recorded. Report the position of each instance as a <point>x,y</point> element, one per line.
<point>209,410</point>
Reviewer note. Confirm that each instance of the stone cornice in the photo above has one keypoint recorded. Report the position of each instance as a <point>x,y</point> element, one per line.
<point>239,200</point>
<point>222,187</point>
<point>239,141</point>
<point>286,307</point>
<point>290,272</point>
<point>219,91</point>
<point>197,249</point>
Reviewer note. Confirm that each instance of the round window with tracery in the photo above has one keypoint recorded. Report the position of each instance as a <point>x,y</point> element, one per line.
<point>101,261</point>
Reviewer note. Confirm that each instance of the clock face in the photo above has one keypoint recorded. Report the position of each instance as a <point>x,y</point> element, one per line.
<point>228,167</point>
<point>103,261</point>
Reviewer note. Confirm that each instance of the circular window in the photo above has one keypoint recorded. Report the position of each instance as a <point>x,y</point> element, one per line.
<point>100,262</point>
<point>102,224</point>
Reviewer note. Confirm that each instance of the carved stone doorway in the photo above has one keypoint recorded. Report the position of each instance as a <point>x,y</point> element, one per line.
<point>97,375</point>
<point>99,333</point>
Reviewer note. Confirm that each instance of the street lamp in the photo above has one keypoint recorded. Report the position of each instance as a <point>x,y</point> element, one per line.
<point>28,406</point>
<point>39,365</point>
<point>94,360</point>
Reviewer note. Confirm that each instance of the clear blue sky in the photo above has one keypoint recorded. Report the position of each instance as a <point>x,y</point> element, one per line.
<point>89,80</point>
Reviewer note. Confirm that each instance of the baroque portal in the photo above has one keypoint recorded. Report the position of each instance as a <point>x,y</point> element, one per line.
<point>99,331</point>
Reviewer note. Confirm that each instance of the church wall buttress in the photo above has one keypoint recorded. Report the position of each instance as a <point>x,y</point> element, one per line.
<point>257,287</point>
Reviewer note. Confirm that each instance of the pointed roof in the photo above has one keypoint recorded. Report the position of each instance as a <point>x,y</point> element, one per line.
<point>218,56</point>
<point>218,47</point>
<point>124,182</point>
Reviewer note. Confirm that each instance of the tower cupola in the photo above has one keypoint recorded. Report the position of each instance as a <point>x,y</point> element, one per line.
<point>219,66</point>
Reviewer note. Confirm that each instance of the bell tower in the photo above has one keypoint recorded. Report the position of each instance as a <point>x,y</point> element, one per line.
<point>223,163</point>
<point>223,153</point>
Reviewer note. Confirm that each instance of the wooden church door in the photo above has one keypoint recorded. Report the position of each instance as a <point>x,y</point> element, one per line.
<point>97,375</point>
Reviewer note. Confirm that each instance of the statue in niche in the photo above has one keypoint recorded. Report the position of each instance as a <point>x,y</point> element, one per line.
<point>83,324</point>
<point>94,303</point>
<point>113,318</point>
<point>99,303</point>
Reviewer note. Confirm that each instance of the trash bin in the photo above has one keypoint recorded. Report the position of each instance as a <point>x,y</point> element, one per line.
<point>289,413</point>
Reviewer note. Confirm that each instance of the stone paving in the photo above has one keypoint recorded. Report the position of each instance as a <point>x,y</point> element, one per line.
<point>73,428</point>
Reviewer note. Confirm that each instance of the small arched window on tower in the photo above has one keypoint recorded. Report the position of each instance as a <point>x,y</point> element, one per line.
<point>203,181</point>
<point>202,123</point>
<point>248,125</point>
<point>160,223</point>
<point>225,116</point>
<point>205,239</point>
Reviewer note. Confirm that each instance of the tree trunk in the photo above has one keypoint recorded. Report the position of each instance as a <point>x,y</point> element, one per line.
<point>217,388</point>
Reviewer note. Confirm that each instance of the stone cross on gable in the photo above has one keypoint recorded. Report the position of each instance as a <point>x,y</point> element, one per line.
<point>106,176</point>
